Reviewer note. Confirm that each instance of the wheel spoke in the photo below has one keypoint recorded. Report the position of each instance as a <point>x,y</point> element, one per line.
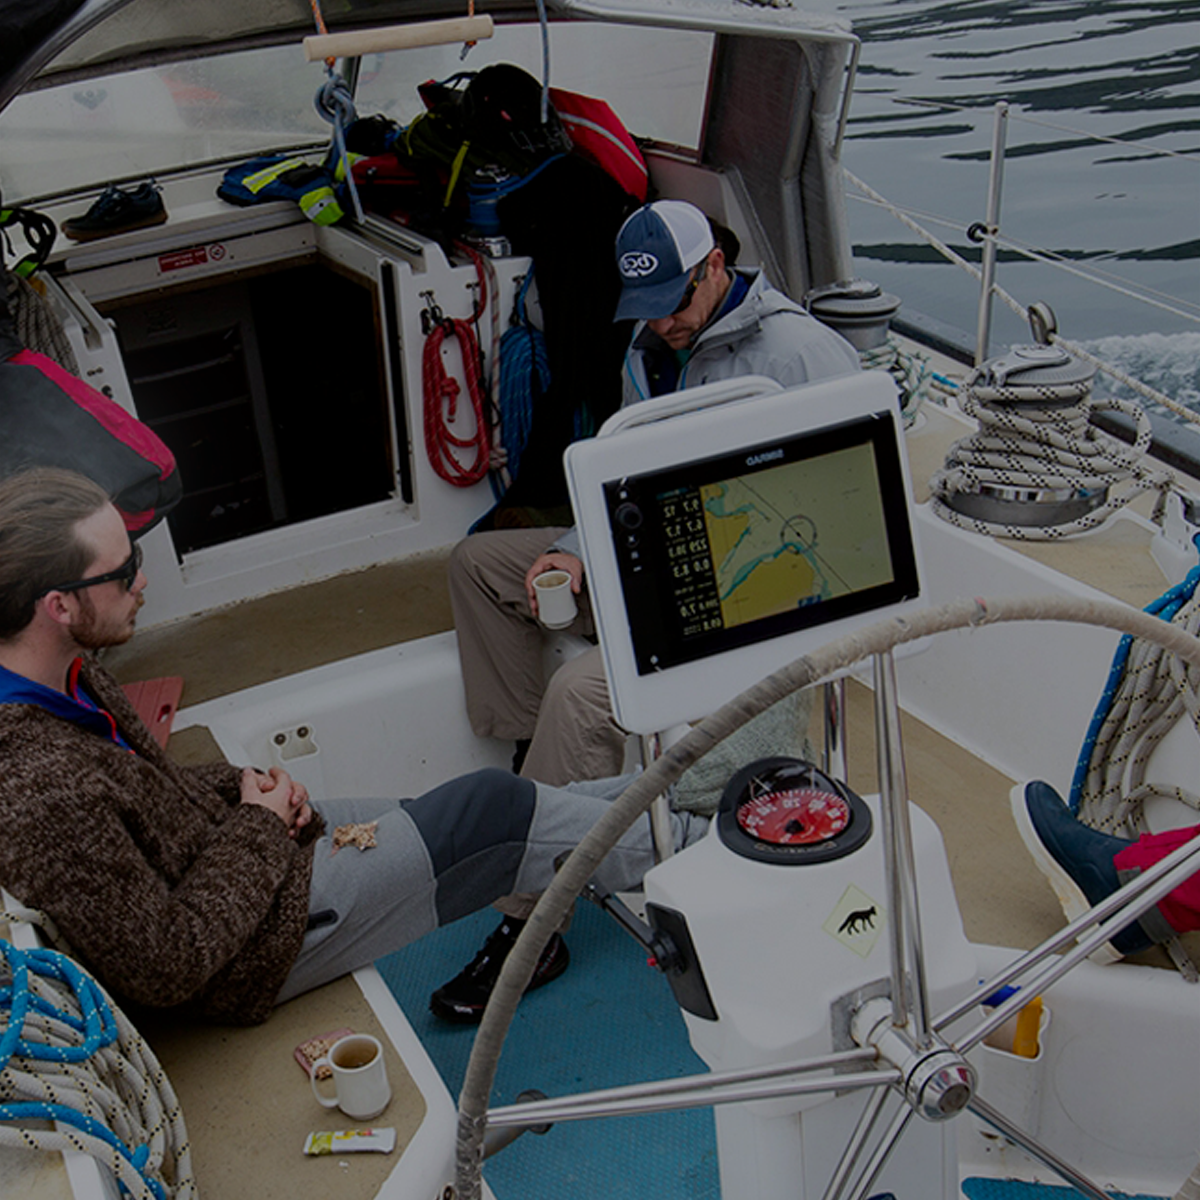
<point>863,1128</point>
<point>982,1109</point>
<point>883,1151</point>
<point>1135,898</point>
<point>694,1091</point>
<point>1148,889</point>
<point>907,954</point>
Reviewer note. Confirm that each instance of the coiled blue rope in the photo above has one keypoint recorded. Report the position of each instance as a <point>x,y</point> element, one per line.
<point>96,1024</point>
<point>1166,606</point>
<point>524,374</point>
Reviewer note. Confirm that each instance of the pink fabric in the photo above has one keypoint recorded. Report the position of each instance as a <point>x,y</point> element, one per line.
<point>1182,906</point>
<point>111,416</point>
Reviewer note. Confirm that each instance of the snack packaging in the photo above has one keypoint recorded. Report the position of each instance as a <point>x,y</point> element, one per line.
<point>350,1141</point>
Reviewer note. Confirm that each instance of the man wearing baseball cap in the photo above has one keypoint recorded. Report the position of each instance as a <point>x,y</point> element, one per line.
<point>700,321</point>
<point>704,321</point>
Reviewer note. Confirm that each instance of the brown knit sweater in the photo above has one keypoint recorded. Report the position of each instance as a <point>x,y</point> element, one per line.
<point>165,886</point>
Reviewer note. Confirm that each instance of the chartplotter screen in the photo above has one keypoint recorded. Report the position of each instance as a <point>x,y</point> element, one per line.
<point>777,537</point>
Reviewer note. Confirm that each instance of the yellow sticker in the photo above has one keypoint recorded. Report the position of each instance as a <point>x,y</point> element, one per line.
<point>856,921</point>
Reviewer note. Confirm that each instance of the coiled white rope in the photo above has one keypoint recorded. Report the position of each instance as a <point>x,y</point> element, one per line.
<point>69,1055</point>
<point>1153,692</point>
<point>1043,439</point>
<point>38,327</point>
<point>1147,693</point>
<point>913,375</point>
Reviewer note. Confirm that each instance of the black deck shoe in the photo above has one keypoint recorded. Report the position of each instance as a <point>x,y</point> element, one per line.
<point>519,752</point>
<point>464,998</point>
<point>118,211</point>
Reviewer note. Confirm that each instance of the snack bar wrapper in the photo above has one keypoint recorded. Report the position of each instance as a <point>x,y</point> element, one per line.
<point>351,1141</point>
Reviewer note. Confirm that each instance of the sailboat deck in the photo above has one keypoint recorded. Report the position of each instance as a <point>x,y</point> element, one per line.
<point>1004,899</point>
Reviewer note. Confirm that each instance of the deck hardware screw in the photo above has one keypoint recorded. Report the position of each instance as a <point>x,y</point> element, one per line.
<point>280,738</point>
<point>302,731</point>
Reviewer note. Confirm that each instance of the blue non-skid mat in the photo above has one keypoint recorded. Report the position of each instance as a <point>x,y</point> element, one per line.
<point>610,1019</point>
<point>978,1188</point>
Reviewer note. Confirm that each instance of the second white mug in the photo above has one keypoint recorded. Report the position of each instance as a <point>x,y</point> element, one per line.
<point>359,1077</point>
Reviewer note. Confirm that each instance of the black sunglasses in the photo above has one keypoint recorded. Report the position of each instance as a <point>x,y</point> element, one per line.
<point>698,274</point>
<point>126,573</point>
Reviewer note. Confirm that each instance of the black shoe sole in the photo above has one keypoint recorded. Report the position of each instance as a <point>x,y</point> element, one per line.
<point>90,235</point>
<point>473,1015</point>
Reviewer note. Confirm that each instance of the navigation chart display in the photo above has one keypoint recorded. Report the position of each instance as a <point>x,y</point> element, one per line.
<point>743,547</point>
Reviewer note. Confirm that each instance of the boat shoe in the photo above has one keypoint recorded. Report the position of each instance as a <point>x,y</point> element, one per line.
<point>464,998</point>
<point>118,210</point>
<point>1076,859</point>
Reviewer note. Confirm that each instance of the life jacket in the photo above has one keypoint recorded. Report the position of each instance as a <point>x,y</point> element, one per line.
<point>597,133</point>
<point>278,177</point>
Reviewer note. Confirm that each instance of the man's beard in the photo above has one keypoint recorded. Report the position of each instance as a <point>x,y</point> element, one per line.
<point>91,634</point>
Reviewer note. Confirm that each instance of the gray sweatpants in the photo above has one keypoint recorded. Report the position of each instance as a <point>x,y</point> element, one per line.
<point>449,853</point>
<point>569,719</point>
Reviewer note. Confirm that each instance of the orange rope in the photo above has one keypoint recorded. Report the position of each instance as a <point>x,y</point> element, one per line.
<point>321,29</point>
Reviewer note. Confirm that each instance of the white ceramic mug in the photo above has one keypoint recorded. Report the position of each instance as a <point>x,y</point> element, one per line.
<point>555,600</point>
<point>359,1077</point>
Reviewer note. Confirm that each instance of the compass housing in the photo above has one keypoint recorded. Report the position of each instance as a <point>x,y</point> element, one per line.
<point>788,812</point>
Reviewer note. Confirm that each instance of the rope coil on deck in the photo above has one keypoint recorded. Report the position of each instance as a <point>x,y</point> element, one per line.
<point>1147,693</point>
<point>913,375</point>
<point>1044,439</point>
<point>68,1055</point>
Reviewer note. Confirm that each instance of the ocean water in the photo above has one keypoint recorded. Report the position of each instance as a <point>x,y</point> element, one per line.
<point>1125,210</point>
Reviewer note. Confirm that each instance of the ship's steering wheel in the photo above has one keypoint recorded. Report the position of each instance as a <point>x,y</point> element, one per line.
<point>901,1043</point>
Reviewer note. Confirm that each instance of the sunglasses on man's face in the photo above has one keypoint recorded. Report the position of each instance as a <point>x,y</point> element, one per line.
<point>689,292</point>
<point>126,573</point>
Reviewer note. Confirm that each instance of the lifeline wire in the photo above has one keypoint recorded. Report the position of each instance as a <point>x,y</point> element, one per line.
<point>68,1055</point>
<point>1073,348</point>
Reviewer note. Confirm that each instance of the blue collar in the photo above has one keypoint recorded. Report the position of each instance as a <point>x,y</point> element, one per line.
<point>78,707</point>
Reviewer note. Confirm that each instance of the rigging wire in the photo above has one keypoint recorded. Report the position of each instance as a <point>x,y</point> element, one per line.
<point>1015,305</point>
<point>1049,257</point>
<point>1101,279</point>
<point>1186,155</point>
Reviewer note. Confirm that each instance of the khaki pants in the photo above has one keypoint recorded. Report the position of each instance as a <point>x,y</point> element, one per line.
<point>500,643</point>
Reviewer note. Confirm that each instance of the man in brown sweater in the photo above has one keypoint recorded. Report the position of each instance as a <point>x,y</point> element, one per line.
<point>216,889</point>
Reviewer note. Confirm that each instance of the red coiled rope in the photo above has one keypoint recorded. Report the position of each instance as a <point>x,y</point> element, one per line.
<point>441,403</point>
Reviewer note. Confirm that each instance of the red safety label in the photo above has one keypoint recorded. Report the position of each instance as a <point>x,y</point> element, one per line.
<point>178,260</point>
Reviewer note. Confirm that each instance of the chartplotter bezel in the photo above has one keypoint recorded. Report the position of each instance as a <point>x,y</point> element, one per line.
<point>674,648</point>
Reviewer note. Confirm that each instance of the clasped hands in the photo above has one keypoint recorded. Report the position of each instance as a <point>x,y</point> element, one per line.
<point>277,790</point>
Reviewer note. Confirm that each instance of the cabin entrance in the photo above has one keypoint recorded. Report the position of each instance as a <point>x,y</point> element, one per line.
<point>269,389</point>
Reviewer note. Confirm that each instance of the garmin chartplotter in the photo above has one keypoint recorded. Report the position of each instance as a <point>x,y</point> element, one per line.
<point>723,541</point>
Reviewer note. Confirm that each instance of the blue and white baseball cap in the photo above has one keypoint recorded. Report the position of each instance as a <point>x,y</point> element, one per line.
<point>657,248</point>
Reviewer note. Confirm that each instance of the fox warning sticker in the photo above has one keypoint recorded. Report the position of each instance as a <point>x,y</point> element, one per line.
<point>856,921</point>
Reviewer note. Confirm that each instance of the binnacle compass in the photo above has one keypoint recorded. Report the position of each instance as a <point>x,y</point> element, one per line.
<point>786,811</point>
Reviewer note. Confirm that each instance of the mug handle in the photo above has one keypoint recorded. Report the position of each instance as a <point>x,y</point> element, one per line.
<point>312,1079</point>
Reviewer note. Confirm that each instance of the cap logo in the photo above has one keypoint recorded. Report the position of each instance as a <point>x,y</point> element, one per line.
<point>636,264</point>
